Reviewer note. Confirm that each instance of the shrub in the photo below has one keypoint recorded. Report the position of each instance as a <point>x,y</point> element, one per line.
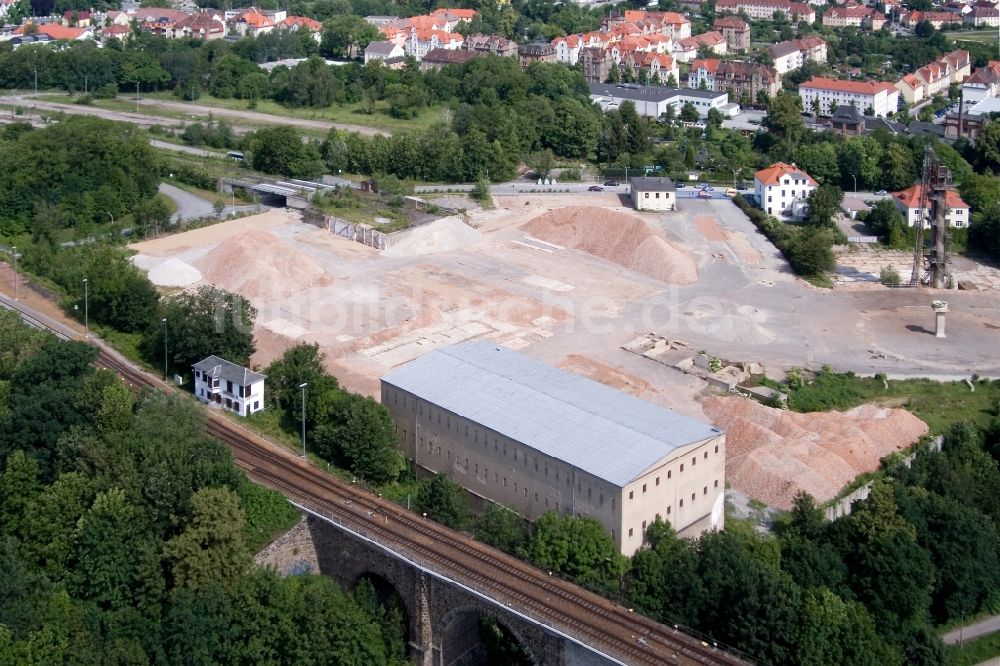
<point>107,91</point>
<point>890,276</point>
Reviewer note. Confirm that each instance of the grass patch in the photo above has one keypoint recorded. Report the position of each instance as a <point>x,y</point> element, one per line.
<point>974,652</point>
<point>207,195</point>
<point>269,422</point>
<point>126,343</point>
<point>939,404</point>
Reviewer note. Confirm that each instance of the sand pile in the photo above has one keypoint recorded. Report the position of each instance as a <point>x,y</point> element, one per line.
<point>174,273</point>
<point>448,233</point>
<point>617,237</point>
<point>259,265</point>
<point>771,454</point>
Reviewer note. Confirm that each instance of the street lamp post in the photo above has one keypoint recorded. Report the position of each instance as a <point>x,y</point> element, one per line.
<point>303,386</point>
<point>86,307</point>
<point>112,216</point>
<point>164,349</point>
<point>14,250</point>
<point>855,183</point>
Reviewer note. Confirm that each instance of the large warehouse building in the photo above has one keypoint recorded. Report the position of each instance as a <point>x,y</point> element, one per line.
<point>536,438</point>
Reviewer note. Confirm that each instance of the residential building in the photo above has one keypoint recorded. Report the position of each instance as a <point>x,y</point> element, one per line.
<point>653,67</point>
<point>596,63</point>
<point>383,51</point>
<point>858,16</point>
<point>935,78</point>
<point>252,22</point>
<point>983,17</point>
<point>529,54</point>
<point>764,10</point>
<point>794,53</point>
<point>743,80</point>
<point>293,23</point>
<point>653,193</point>
<point>846,120</point>
<point>421,41</point>
<point>491,45</point>
<point>230,386</point>
<point>685,50</point>
<point>969,122</point>
<point>536,438</point>
<point>910,205</point>
<point>203,25</point>
<point>567,49</point>
<point>672,24</point>
<point>115,17</point>
<point>55,31</point>
<point>77,19</point>
<point>783,189</point>
<point>713,41</point>
<point>936,19</point>
<point>116,31</point>
<point>879,96</point>
<point>653,101</point>
<point>437,58</point>
<point>984,82</point>
<point>736,31</point>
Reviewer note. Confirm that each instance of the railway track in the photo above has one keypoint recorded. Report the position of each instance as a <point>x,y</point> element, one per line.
<point>540,597</point>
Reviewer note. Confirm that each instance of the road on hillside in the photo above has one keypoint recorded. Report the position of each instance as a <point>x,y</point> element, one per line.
<point>190,150</point>
<point>191,207</point>
<point>257,117</point>
<point>990,625</point>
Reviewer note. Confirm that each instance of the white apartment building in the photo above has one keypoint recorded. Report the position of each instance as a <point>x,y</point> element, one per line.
<point>880,96</point>
<point>782,189</point>
<point>796,52</point>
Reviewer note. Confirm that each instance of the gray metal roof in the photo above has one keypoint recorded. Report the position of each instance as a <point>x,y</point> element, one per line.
<point>220,368</point>
<point>651,184</point>
<point>609,434</point>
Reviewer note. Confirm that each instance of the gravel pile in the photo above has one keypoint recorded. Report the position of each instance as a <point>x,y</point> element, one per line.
<point>771,454</point>
<point>444,235</point>
<point>617,237</point>
<point>259,265</point>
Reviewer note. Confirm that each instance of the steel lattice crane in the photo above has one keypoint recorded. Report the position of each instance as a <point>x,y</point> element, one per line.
<point>932,266</point>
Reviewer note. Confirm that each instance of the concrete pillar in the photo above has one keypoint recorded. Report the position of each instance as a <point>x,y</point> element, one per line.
<point>421,642</point>
<point>940,310</point>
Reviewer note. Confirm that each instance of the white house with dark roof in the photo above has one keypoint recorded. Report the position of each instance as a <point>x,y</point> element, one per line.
<point>536,438</point>
<point>229,386</point>
<point>651,193</point>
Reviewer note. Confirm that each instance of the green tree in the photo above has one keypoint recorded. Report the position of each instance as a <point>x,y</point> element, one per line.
<point>819,160</point>
<point>988,147</point>
<point>824,204</point>
<point>784,122</point>
<point>886,222</point>
<point>810,252</point>
<point>200,324</point>
<point>662,580</point>
<point>346,36</point>
<point>501,527</point>
<point>105,549</point>
<point>361,437</point>
<point>689,114</point>
<point>211,547</point>
<point>832,631</point>
<point>300,364</point>
<point>443,500</point>
<point>578,548</point>
<point>18,486</point>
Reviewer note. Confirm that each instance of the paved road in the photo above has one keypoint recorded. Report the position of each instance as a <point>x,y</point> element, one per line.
<point>990,625</point>
<point>190,207</point>
<point>190,150</point>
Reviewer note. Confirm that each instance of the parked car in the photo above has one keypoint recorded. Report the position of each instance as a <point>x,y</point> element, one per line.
<point>611,183</point>
<point>881,193</point>
<point>731,192</point>
<point>595,188</point>
<point>704,194</point>
<point>680,185</point>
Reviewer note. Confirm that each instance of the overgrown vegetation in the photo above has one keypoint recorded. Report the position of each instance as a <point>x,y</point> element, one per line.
<point>127,534</point>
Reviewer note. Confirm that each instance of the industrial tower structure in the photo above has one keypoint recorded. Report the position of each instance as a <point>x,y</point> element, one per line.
<point>932,266</point>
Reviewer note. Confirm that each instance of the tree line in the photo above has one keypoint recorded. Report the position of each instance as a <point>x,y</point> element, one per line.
<point>127,535</point>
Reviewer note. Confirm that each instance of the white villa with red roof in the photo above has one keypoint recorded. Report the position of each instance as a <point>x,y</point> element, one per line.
<point>908,201</point>
<point>783,189</point>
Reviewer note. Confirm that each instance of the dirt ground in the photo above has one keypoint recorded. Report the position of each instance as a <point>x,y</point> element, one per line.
<point>574,304</point>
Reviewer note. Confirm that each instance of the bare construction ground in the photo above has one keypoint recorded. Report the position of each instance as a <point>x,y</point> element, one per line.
<point>569,285</point>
